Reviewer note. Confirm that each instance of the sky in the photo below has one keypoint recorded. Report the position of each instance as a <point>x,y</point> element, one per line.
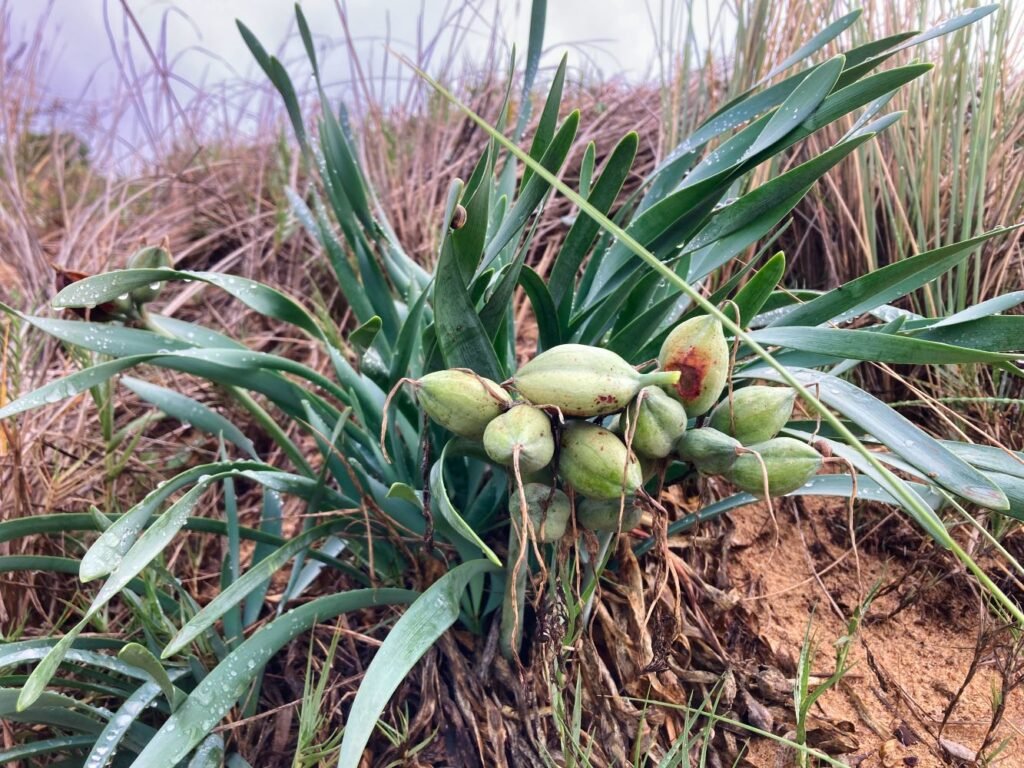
<point>88,42</point>
<point>204,46</point>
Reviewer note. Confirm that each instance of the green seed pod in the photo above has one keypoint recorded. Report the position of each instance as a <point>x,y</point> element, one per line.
<point>148,258</point>
<point>711,451</point>
<point>756,413</point>
<point>525,427</point>
<point>660,422</point>
<point>602,515</point>
<point>548,507</point>
<point>696,349</point>
<point>788,464</point>
<point>584,381</point>
<point>595,462</point>
<point>460,401</point>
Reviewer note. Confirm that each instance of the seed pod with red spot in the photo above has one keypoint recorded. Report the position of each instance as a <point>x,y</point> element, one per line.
<point>697,350</point>
<point>584,381</point>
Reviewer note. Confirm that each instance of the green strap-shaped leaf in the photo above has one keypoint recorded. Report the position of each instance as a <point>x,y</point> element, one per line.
<point>253,578</point>
<point>461,336</point>
<point>585,229</point>
<point>545,129</point>
<point>412,636</point>
<point>820,485</point>
<point>884,285</point>
<point>277,75</point>
<point>129,713</point>
<point>209,754</point>
<point>799,105</point>
<point>531,195</point>
<point>815,44</point>
<point>139,656</point>
<point>79,522</point>
<point>765,198</point>
<point>1000,333</point>
<point>268,301</point>
<point>880,347</point>
<point>548,330</point>
<point>439,492</point>
<point>66,565</point>
<point>149,546</point>
<point>983,309</point>
<point>989,457</point>
<point>106,552</point>
<point>217,693</point>
<point>14,755</point>
<point>190,411</point>
<point>752,296</point>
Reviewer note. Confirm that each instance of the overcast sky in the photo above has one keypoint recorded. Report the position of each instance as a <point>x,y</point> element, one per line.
<point>86,41</point>
<point>204,45</point>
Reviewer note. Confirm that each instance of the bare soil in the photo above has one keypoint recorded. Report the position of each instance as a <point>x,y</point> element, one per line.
<point>911,657</point>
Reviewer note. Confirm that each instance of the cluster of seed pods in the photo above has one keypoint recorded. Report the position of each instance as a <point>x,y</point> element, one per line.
<point>586,430</point>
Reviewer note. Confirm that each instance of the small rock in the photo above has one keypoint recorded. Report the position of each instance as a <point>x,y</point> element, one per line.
<point>958,751</point>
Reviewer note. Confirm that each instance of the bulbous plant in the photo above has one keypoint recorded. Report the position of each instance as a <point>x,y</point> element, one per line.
<point>616,296</point>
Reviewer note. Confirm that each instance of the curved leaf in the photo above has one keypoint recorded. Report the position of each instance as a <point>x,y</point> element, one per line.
<point>419,628</point>
<point>217,693</point>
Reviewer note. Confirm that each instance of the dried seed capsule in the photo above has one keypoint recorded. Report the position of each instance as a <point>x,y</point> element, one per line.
<point>660,422</point>
<point>696,349</point>
<point>788,464</point>
<point>525,428</point>
<point>460,401</point>
<point>548,508</point>
<point>602,515</point>
<point>584,381</point>
<point>756,413</point>
<point>711,451</point>
<point>596,463</point>
<point>148,258</point>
